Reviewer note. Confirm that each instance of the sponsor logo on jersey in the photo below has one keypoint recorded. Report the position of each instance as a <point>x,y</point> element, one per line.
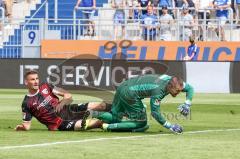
<point>45,102</point>
<point>45,91</point>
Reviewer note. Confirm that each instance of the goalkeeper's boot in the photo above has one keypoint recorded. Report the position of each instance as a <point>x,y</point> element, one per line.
<point>86,120</point>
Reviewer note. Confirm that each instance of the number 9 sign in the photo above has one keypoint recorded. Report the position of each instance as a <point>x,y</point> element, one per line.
<point>31,38</point>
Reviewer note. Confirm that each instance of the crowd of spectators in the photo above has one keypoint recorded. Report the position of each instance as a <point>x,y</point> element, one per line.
<point>187,13</point>
<point>156,17</point>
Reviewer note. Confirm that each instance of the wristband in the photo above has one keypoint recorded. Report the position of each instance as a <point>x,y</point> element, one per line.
<point>188,102</point>
<point>167,125</point>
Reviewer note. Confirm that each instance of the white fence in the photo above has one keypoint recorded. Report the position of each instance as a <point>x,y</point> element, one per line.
<point>202,29</point>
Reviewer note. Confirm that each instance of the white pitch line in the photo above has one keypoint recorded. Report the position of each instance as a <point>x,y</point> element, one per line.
<point>110,138</point>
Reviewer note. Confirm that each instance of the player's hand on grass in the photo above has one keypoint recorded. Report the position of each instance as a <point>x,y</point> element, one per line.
<point>176,128</point>
<point>184,109</point>
<point>20,128</point>
<point>173,127</point>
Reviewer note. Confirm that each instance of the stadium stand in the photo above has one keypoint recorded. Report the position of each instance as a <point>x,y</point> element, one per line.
<point>58,23</point>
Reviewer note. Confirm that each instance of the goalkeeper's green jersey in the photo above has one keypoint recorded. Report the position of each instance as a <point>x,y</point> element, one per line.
<point>153,87</point>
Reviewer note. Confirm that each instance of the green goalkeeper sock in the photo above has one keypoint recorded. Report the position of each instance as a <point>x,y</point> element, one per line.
<point>106,117</point>
<point>128,126</point>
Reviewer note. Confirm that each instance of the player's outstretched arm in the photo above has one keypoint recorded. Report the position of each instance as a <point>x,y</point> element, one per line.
<point>26,125</point>
<point>156,113</point>
<point>189,92</point>
<point>67,98</point>
<point>185,108</point>
<point>155,110</point>
<point>26,117</point>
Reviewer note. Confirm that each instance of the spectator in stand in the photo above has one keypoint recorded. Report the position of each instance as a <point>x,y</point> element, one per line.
<point>221,7</point>
<point>180,3</point>
<point>143,4</point>
<point>166,21</point>
<point>202,7</point>
<point>133,10</point>
<point>89,26</point>
<point>9,5</point>
<point>233,9</point>
<point>2,5</point>
<point>192,6</point>
<point>149,22</point>
<point>155,4</point>
<point>2,14</point>
<point>186,3</point>
<point>192,50</point>
<point>169,3</point>
<point>119,17</point>
<point>186,24</point>
<point>238,11</point>
<point>130,10</point>
<point>136,10</point>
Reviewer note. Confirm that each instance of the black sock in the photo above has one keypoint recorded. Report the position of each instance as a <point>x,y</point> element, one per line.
<point>108,107</point>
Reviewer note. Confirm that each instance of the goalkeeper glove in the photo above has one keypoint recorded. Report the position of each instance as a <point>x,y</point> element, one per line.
<point>173,127</point>
<point>176,129</point>
<point>184,109</point>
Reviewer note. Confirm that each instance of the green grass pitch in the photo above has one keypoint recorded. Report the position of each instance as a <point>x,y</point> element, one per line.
<point>209,112</point>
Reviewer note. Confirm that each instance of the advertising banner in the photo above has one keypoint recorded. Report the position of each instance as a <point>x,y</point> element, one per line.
<point>83,74</point>
<point>139,50</point>
<point>97,74</point>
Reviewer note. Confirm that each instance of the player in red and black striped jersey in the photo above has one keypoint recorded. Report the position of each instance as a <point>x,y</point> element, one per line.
<point>43,103</point>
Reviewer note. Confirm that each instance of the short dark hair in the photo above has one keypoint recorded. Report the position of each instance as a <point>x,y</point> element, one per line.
<point>174,82</point>
<point>191,39</point>
<point>30,72</point>
<point>165,7</point>
<point>150,6</point>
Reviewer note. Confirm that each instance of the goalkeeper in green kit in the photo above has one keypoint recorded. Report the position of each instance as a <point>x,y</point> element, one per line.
<point>128,113</point>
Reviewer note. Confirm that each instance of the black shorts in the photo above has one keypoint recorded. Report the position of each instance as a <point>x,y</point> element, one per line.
<point>76,111</point>
<point>67,125</point>
<point>71,113</point>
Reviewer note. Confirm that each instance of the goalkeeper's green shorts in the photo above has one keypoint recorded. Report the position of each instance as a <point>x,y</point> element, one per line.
<point>132,109</point>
